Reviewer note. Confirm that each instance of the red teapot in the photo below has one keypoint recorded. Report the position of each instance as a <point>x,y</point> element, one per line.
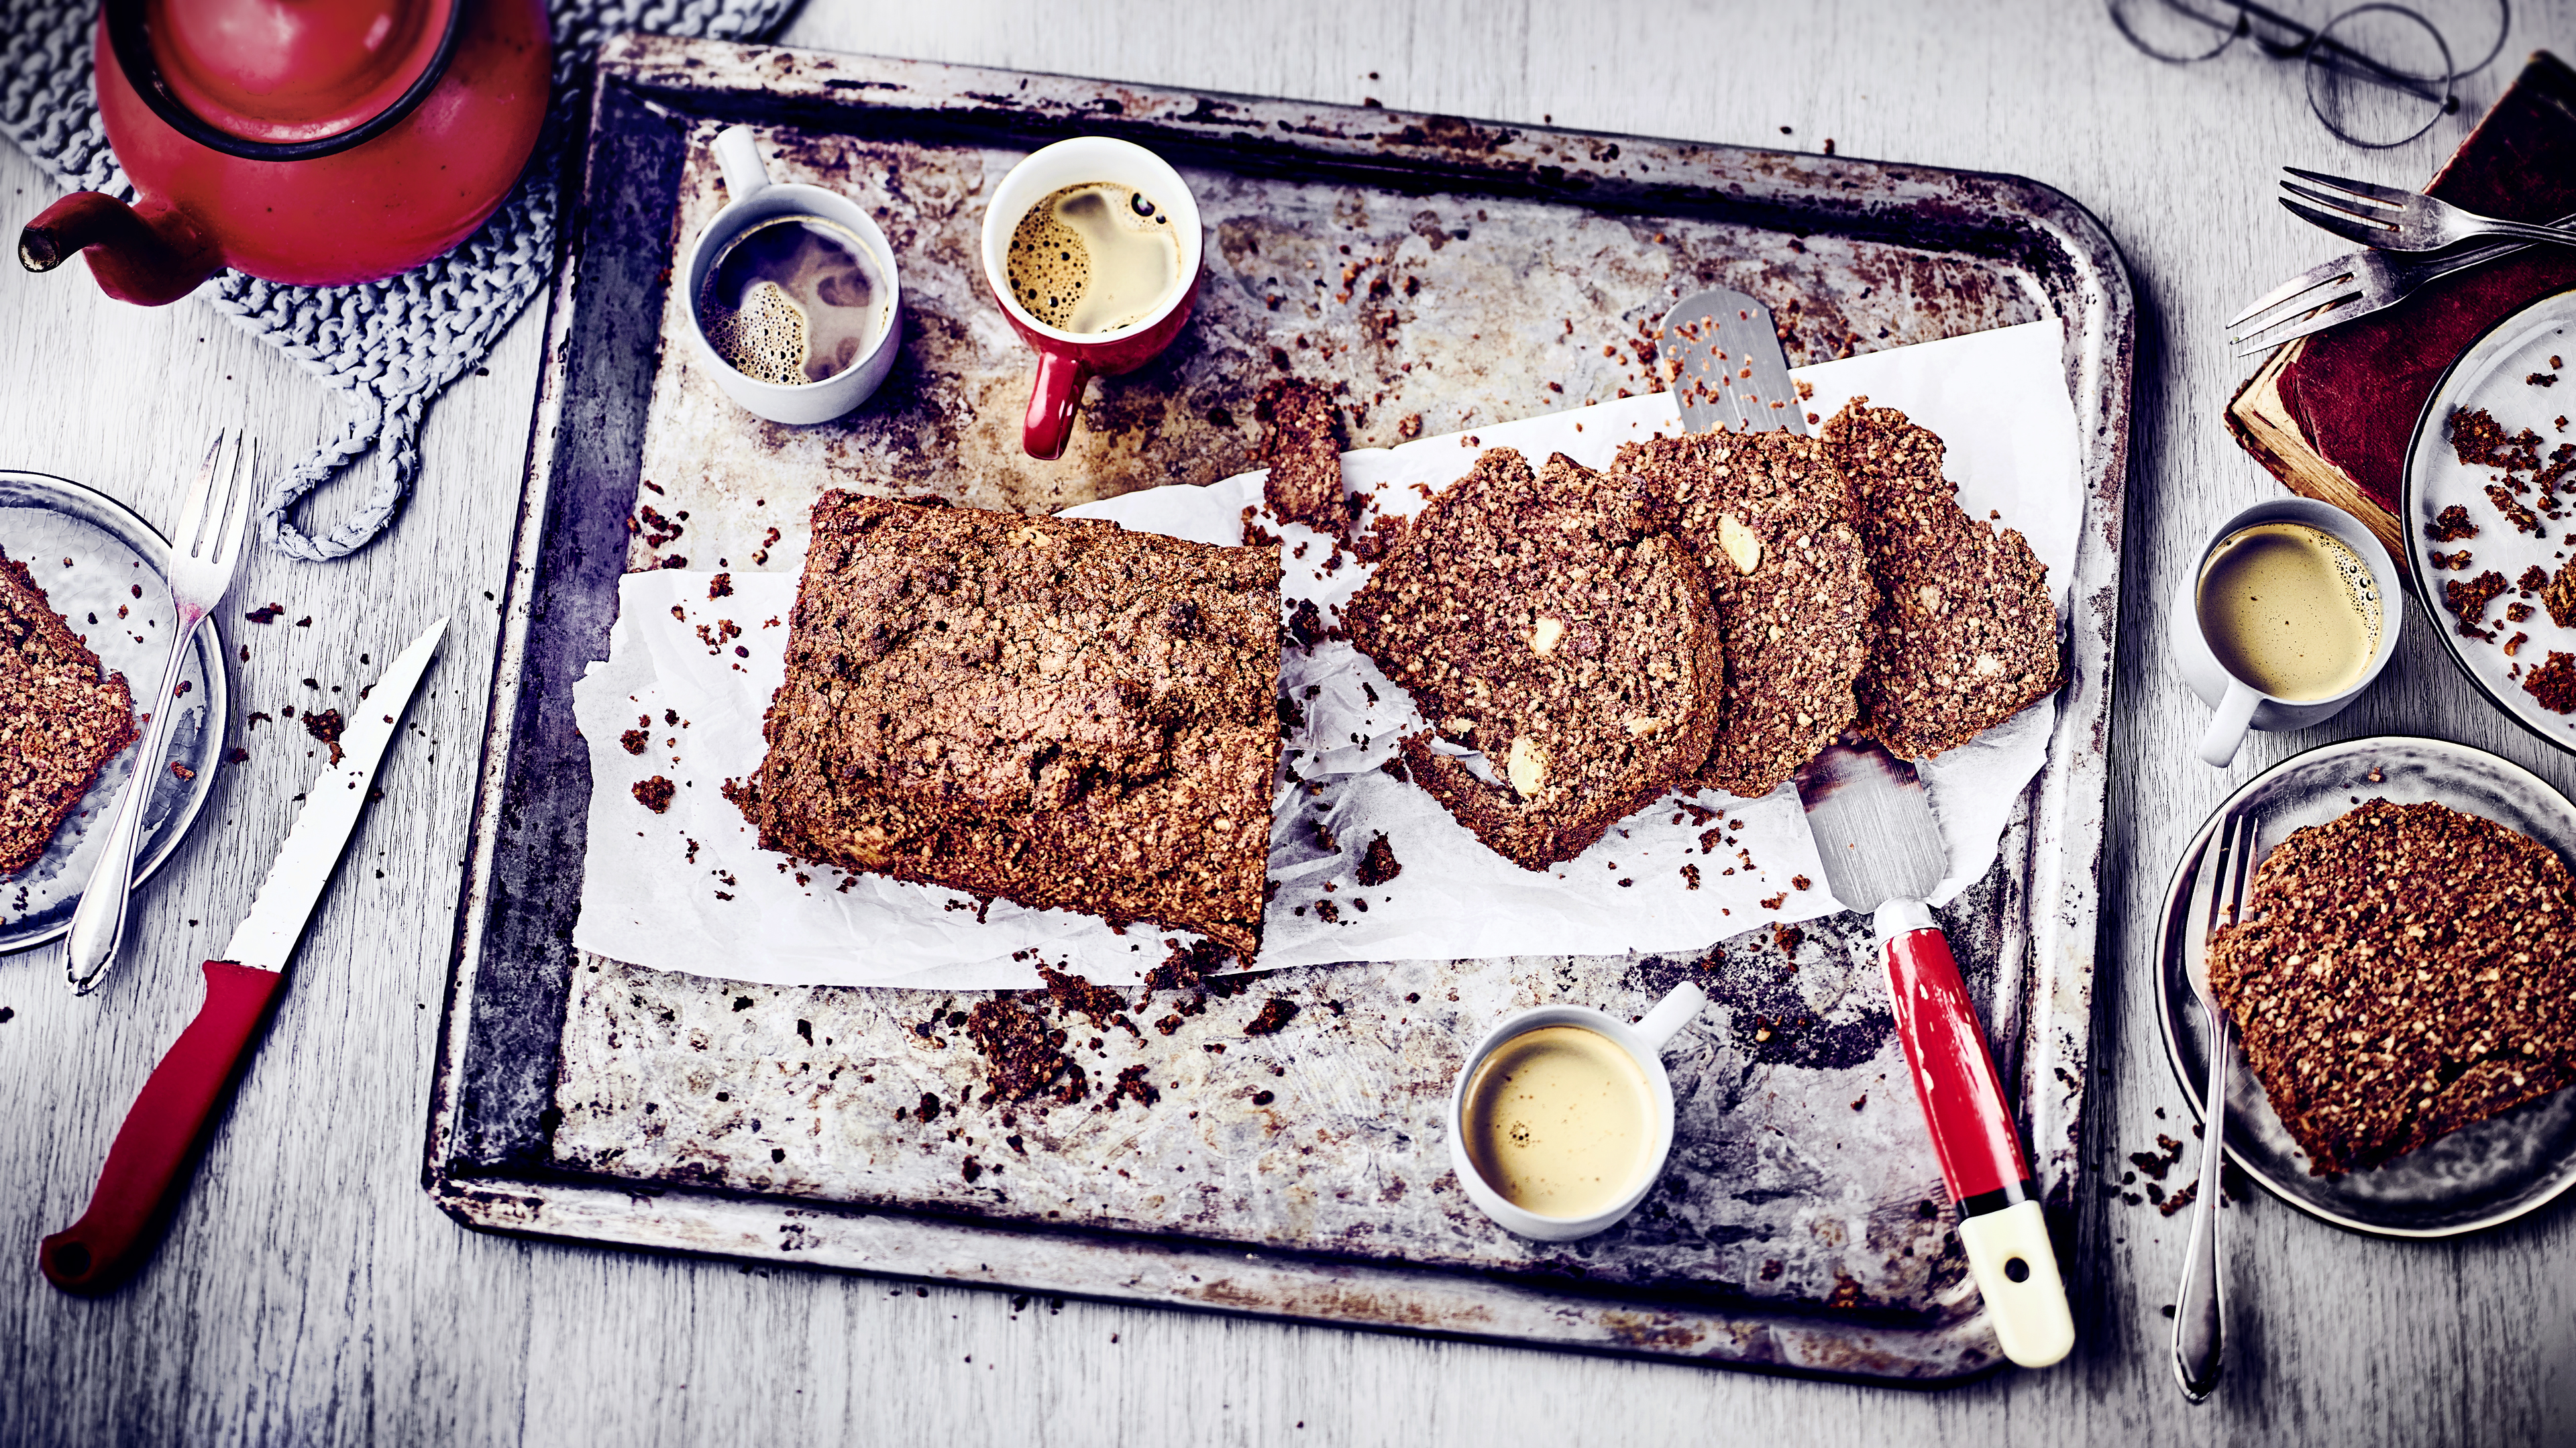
<point>313,142</point>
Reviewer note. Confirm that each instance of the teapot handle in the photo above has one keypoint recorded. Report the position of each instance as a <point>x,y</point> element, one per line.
<point>738,157</point>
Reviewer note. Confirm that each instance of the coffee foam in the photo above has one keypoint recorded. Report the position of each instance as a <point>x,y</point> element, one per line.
<point>790,302</point>
<point>1092,258</point>
<point>764,339</point>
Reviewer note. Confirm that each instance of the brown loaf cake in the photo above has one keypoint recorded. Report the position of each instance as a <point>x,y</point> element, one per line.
<point>2403,971</point>
<point>60,722</point>
<point>1053,711</point>
<point>1303,448</point>
<point>1770,524</point>
<point>1545,621</point>
<point>1966,631</point>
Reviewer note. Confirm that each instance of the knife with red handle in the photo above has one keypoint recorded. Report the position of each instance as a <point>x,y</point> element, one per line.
<point>1882,853</point>
<point>157,1147</point>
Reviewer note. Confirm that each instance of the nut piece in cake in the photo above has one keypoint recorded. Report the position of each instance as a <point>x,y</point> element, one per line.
<point>60,722</point>
<point>1546,622</point>
<point>1966,632</point>
<point>1301,442</point>
<point>1054,711</point>
<point>1770,524</point>
<point>2402,971</point>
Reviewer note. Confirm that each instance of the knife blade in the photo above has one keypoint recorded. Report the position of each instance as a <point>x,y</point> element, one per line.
<point>156,1146</point>
<point>1882,853</point>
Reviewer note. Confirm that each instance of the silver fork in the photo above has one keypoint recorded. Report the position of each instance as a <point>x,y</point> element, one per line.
<point>2348,287</point>
<point>2393,220</point>
<point>2198,1334</point>
<point>203,555</point>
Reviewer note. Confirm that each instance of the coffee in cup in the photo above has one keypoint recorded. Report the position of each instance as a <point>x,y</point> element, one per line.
<point>1558,1120</point>
<point>2291,610</point>
<point>792,301</point>
<point>1094,257</point>
<point>1092,250</point>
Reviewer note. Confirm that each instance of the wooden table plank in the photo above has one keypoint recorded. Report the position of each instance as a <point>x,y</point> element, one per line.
<point>309,1293</point>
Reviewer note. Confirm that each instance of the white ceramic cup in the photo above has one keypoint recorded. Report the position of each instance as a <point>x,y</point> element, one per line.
<point>1644,1042</point>
<point>752,198</point>
<point>2240,705</point>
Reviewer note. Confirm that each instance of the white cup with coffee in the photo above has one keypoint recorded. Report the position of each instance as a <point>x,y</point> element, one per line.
<point>790,293</point>
<point>2285,617</point>
<point>1562,1116</point>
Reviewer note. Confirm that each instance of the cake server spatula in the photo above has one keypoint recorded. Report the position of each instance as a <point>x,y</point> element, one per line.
<point>156,1146</point>
<point>1883,853</point>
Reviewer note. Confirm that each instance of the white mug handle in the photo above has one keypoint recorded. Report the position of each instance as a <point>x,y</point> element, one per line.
<point>738,157</point>
<point>1670,1014</point>
<point>2227,731</point>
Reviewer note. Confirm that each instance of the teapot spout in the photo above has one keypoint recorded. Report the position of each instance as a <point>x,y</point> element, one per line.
<point>149,255</point>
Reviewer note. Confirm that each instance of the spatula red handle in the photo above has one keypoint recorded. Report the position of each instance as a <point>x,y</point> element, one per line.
<point>2002,1227</point>
<point>157,1145</point>
<point>1954,1077</point>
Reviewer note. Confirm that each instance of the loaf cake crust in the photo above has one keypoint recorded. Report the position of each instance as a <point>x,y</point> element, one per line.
<point>61,721</point>
<point>1544,620</point>
<point>1966,631</point>
<point>1053,711</point>
<point>1769,522</point>
<point>2402,971</point>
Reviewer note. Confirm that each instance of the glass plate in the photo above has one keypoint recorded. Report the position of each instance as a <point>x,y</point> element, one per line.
<point>2494,374</point>
<point>2476,1177</point>
<point>44,521</point>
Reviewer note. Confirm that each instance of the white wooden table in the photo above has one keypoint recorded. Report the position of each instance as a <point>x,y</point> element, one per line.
<point>309,1292</point>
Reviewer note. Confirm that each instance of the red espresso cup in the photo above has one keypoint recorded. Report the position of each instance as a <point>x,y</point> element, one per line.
<point>1069,360</point>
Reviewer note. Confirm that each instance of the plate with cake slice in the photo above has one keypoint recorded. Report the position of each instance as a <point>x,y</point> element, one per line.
<point>2403,987</point>
<point>84,625</point>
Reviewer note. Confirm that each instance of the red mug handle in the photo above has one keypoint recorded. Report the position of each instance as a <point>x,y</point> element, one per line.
<point>1061,377</point>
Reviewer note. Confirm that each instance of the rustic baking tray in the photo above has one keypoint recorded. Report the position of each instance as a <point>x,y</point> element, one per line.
<point>1441,272</point>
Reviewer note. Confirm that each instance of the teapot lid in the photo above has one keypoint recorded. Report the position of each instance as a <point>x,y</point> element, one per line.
<point>283,79</point>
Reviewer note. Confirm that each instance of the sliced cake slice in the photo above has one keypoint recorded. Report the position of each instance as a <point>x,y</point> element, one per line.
<point>61,720</point>
<point>1544,620</point>
<point>1054,711</point>
<point>2402,972</point>
<point>1770,524</point>
<point>1302,445</point>
<point>1966,631</point>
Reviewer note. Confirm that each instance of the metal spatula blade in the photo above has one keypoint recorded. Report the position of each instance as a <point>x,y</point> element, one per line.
<point>1873,825</point>
<point>1724,365</point>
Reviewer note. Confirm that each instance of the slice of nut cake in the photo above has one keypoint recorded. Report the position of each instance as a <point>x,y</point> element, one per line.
<point>1303,449</point>
<point>2404,970</point>
<point>1545,621</point>
<point>1770,524</point>
<point>1054,711</point>
<point>60,722</point>
<point>1966,632</point>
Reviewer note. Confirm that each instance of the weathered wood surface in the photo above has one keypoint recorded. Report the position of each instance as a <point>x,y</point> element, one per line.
<point>309,1292</point>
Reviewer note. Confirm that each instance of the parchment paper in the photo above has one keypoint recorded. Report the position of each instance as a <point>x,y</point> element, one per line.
<point>690,890</point>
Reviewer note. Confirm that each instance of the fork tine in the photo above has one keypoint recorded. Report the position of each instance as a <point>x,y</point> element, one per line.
<point>2240,868</point>
<point>2390,194</point>
<point>2343,226</point>
<point>192,515</point>
<point>2324,273</point>
<point>2290,329</point>
<point>2345,205</point>
<point>240,505</point>
<point>2298,304</point>
<point>2225,845</point>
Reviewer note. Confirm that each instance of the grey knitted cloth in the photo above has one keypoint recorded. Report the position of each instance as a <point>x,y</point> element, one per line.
<point>386,347</point>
